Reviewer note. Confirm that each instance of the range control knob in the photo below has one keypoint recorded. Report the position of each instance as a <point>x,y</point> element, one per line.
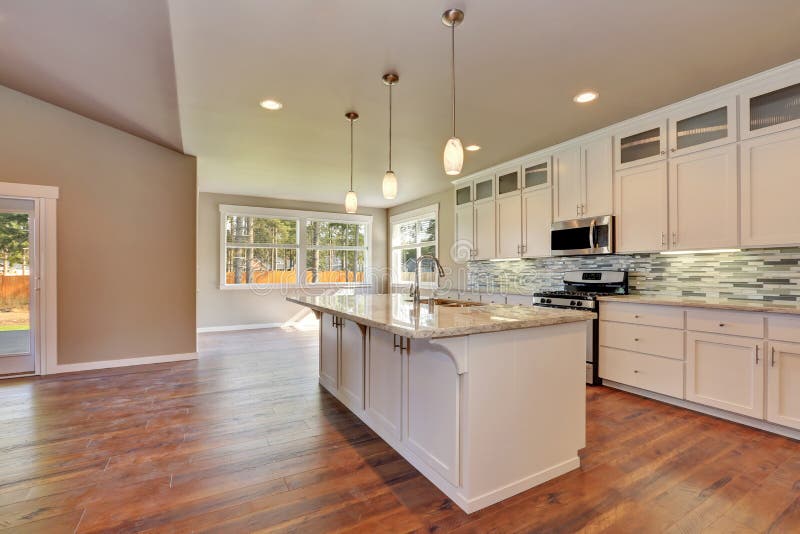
<point>572,303</point>
<point>579,303</point>
<point>547,301</point>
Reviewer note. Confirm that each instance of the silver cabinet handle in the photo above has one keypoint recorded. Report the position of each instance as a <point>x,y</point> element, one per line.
<point>757,359</point>
<point>663,240</point>
<point>674,238</point>
<point>577,209</point>
<point>773,356</point>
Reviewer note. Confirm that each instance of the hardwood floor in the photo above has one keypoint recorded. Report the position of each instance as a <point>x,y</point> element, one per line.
<point>244,440</point>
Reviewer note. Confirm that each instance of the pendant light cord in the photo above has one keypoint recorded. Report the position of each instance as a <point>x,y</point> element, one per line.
<point>390,126</point>
<point>453,71</point>
<point>351,154</point>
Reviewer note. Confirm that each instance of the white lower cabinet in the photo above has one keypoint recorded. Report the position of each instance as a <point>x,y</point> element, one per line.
<point>329,351</point>
<point>384,397</point>
<point>783,383</point>
<point>726,372</point>
<point>351,360</point>
<point>653,373</point>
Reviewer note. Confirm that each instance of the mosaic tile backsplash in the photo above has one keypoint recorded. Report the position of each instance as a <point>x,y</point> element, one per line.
<point>757,274</point>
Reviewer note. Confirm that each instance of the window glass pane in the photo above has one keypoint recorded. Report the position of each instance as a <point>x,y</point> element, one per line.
<point>335,266</point>
<point>404,264</point>
<point>427,269</point>
<point>336,234</point>
<point>407,233</point>
<point>260,265</point>
<point>426,231</point>
<point>260,230</point>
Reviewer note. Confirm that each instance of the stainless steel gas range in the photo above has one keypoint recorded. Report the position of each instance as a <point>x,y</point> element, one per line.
<point>580,292</point>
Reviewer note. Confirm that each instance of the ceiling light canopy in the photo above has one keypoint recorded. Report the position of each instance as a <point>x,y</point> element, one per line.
<point>389,185</point>
<point>472,148</point>
<point>453,157</point>
<point>585,97</point>
<point>271,105</point>
<point>351,199</point>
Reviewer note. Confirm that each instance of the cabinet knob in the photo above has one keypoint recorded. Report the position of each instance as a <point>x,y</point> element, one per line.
<point>662,152</point>
<point>636,316</point>
<point>721,325</point>
<point>671,150</point>
<point>636,339</point>
<point>636,371</point>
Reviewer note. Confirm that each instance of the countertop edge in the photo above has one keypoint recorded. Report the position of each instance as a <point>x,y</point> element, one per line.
<point>436,333</point>
<point>756,307</point>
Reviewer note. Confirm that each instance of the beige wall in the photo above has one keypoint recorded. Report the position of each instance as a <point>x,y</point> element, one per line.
<point>228,307</point>
<point>456,274</point>
<point>126,230</point>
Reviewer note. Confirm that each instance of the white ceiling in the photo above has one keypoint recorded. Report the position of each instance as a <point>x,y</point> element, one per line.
<point>519,63</point>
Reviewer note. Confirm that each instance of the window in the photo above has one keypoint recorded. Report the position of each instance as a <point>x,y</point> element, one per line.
<point>263,246</point>
<point>415,234</point>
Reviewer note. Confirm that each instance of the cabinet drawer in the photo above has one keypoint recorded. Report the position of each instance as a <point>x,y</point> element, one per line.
<point>646,314</point>
<point>725,322</point>
<point>783,328</point>
<point>653,373</point>
<point>665,342</point>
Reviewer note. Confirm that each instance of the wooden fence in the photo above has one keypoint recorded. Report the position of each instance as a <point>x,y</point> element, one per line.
<point>14,287</point>
<point>290,277</point>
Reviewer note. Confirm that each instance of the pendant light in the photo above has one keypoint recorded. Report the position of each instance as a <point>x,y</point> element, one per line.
<point>389,185</point>
<point>351,199</point>
<point>453,149</point>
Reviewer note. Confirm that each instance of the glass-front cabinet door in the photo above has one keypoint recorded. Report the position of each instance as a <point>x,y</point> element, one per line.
<point>698,127</point>
<point>771,107</point>
<point>536,174</point>
<point>507,181</point>
<point>463,194</point>
<point>642,143</point>
<point>484,188</point>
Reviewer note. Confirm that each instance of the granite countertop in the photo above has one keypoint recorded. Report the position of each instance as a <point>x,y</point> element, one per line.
<point>396,314</point>
<point>702,302</point>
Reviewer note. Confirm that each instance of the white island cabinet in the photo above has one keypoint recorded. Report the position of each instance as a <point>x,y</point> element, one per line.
<point>486,400</point>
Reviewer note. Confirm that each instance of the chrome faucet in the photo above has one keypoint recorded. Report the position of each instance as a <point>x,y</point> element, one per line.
<point>415,288</point>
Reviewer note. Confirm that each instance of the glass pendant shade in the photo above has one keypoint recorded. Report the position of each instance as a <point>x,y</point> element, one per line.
<point>453,156</point>
<point>389,185</point>
<point>351,202</point>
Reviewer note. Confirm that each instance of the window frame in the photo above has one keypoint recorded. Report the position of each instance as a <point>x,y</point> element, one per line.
<point>301,217</point>
<point>426,212</point>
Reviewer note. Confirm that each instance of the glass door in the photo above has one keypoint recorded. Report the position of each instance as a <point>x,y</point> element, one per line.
<point>640,144</point>
<point>17,263</point>
<point>771,107</point>
<point>700,127</point>
<point>536,174</point>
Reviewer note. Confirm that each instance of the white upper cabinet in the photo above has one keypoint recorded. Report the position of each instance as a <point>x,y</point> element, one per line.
<point>703,125</point>
<point>597,174</point>
<point>567,184</point>
<point>483,189</point>
<point>536,221</point>
<point>771,106</point>
<point>704,199</point>
<point>508,182</point>
<point>465,232</point>
<point>509,226</point>
<point>770,174</point>
<point>464,194</point>
<point>641,208</point>
<point>643,142</point>
<point>484,222</point>
<point>536,174</point>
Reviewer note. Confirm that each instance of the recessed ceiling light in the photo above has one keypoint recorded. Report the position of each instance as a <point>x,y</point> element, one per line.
<point>583,98</point>
<point>272,105</point>
<point>472,148</point>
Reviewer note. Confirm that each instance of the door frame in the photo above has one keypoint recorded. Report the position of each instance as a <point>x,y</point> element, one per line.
<point>44,281</point>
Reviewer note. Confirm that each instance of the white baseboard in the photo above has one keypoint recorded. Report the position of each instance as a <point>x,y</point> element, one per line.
<point>708,410</point>
<point>234,327</point>
<point>123,362</point>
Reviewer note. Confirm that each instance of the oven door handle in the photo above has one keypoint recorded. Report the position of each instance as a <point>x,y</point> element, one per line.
<point>591,234</point>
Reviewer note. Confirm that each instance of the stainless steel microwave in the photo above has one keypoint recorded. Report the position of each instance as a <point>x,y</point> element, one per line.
<point>581,237</point>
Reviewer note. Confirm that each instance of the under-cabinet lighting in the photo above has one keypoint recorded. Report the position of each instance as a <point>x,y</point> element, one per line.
<point>709,251</point>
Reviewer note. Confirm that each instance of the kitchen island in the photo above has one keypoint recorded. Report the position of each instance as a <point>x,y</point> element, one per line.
<point>485,400</point>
